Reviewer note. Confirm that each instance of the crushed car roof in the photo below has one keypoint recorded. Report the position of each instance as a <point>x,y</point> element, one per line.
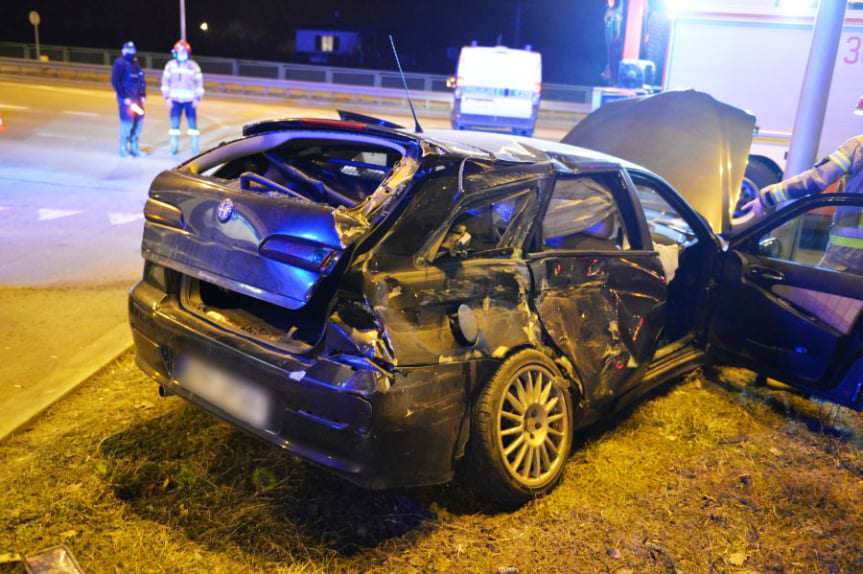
<point>509,147</point>
<point>490,145</point>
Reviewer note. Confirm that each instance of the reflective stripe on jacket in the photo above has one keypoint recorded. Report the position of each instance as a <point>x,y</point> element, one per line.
<point>845,165</point>
<point>847,161</point>
<point>182,81</point>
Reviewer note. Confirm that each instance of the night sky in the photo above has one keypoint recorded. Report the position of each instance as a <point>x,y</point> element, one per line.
<point>569,33</point>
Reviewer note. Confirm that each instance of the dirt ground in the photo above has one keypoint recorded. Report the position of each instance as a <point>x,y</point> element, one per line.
<point>711,475</point>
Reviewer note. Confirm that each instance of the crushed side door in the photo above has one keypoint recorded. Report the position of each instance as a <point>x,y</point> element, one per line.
<point>599,298</point>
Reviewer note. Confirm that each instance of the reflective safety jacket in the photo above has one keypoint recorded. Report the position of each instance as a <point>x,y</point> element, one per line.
<point>182,81</point>
<point>845,168</point>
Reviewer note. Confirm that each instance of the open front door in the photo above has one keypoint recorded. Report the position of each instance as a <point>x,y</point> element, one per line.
<point>790,298</point>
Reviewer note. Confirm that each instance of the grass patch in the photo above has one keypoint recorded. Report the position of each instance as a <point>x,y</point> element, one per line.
<point>710,476</point>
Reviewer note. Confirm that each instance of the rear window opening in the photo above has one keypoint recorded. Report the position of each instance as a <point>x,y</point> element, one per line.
<point>294,331</point>
<point>333,172</point>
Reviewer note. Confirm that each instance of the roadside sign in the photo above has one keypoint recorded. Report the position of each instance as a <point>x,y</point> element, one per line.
<point>35,19</point>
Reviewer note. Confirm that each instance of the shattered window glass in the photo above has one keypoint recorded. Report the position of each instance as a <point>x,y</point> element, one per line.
<point>583,215</point>
<point>489,225</point>
<point>668,230</point>
<point>667,227</point>
<point>432,201</point>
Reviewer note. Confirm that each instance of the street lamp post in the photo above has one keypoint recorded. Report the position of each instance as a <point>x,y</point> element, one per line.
<point>182,19</point>
<point>812,106</point>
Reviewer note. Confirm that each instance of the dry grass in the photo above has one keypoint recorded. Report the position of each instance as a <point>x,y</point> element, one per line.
<point>708,477</point>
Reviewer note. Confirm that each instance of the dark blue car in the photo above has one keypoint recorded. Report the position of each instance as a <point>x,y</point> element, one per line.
<point>392,305</point>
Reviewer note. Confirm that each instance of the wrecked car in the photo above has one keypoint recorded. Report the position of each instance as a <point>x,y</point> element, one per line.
<point>393,306</point>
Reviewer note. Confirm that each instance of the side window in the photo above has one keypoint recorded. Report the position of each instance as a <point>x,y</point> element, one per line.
<point>827,237</point>
<point>583,215</point>
<point>488,225</point>
<point>666,225</point>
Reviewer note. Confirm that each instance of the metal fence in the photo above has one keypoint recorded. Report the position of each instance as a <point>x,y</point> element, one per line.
<point>263,70</point>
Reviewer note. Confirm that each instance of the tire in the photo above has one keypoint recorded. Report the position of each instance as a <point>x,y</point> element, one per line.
<point>762,173</point>
<point>519,446</point>
<point>759,174</point>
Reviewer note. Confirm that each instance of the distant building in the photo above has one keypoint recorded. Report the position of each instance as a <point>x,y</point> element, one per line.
<point>326,46</point>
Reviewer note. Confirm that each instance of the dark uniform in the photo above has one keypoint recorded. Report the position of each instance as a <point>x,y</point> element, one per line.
<point>127,77</point>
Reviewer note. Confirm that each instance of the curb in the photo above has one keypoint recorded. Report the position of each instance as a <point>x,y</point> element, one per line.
<point>24,407</point>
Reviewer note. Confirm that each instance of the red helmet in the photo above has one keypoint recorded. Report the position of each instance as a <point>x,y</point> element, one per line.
<point>181,45</point>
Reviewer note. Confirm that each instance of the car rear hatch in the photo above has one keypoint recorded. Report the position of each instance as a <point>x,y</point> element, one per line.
<point>268,246</point>
<point>235,227</point>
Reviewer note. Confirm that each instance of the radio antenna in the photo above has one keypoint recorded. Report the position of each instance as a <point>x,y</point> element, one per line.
<point>417,128</point>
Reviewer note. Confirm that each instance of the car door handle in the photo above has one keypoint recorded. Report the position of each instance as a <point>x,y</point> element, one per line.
<point>765,273</point>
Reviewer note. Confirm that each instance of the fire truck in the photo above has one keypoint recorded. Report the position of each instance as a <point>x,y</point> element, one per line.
<point>752,54</point>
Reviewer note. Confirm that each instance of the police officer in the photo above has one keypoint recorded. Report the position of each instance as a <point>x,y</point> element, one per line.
<point>843,167</point>
<point>183,89</point>
<point>127,77</point>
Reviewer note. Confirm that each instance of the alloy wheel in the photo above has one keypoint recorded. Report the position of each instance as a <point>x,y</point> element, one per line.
<point>533,426</point>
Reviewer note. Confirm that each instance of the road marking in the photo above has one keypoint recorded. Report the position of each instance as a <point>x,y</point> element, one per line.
<point>13,107</point>
<point>109,93</point>
<point>61,136</point>
<point>83,114</point>
<point>46,214</point>
<point>120,218</point>
<point>214,120</point>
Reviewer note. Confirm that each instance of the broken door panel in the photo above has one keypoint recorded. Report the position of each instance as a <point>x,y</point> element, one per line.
<point>604,312</point>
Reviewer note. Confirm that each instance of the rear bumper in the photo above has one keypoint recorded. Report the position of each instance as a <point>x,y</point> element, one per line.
<point>407,435</point>
<point>466,121</point>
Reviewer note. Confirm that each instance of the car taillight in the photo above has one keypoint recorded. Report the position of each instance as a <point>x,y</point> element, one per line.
<point>537,87</point>
<point>156,211</point>
<point>300,252</point>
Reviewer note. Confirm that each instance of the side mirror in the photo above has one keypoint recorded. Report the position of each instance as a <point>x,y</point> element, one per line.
<point>456,242</point>
<point>769,247</point>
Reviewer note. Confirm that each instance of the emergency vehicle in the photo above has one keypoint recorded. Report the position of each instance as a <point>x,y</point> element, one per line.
<point>752,54</point>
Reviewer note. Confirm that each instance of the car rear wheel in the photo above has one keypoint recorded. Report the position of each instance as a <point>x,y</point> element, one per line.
<point>521,434</point>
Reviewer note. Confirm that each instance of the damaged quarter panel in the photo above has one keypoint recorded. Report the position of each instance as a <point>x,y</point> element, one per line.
<point>418,293</point>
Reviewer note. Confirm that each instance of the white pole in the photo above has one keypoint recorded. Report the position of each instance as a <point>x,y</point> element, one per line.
<point>816,86</point>
<point>183,19</point>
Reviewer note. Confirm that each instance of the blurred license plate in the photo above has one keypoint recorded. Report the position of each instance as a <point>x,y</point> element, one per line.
<point>241,399</point>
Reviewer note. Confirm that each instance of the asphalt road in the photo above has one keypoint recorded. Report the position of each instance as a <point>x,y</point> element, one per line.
<point>71,223</point>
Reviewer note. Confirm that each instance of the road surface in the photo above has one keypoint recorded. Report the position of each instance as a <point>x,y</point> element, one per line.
<point>71,223</point>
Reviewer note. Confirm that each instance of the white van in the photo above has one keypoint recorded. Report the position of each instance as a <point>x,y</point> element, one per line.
<point>497,88</point>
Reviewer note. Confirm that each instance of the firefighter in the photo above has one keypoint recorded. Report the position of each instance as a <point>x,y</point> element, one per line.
<point>127,77</point>
<point>844,168</point>
<point>613,39</point>
<point>183,88</point>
